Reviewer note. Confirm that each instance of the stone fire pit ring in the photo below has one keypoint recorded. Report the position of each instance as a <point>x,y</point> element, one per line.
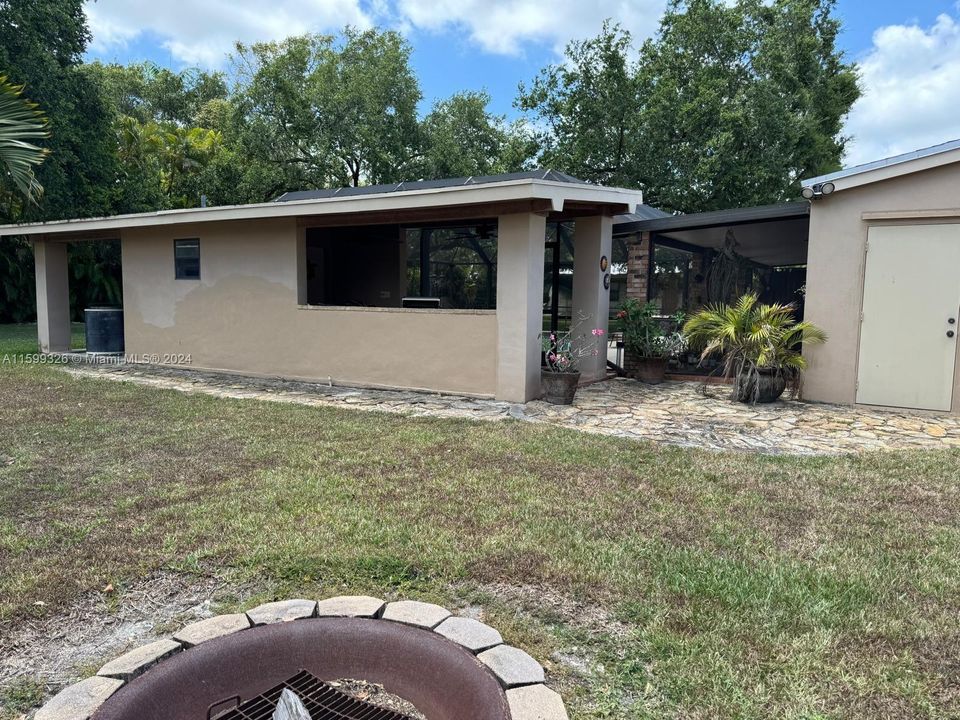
<point>449,667</point>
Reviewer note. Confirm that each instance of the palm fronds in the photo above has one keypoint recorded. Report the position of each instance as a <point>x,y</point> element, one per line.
<point>21,121</point>
<point>752,337</point>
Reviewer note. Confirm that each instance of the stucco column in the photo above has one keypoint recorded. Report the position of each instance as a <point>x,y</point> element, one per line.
<point>520,248</point>
<point>53,296</point>
<point>592,241</point>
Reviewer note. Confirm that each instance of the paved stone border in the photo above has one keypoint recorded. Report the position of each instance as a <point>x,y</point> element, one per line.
<point>520,676</point>
<point>675,413</point>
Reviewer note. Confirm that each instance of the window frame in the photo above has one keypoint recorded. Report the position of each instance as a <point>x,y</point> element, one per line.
<point>178,271</point>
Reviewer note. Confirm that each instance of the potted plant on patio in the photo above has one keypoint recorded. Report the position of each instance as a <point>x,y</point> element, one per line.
<point>759,346</point>
<point>649,340</point>
<point>562,352</point>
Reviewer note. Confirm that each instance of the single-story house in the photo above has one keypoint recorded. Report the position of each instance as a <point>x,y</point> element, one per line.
<point>445,285</point>
<point>433,285</point>
<point>872,256</point>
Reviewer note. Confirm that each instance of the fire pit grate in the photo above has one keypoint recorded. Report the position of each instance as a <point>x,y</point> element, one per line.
<point>324,702</point>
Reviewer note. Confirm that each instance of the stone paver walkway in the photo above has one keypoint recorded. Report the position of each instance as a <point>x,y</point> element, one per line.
<point>676,413</point>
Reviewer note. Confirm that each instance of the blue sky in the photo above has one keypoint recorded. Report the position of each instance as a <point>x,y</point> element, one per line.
<point>910,52</point>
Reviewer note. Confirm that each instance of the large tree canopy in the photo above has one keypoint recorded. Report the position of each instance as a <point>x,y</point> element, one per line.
<point>461,138</point>
<point>316,111</point>
<point>729,105</point>
<point>588,109</point>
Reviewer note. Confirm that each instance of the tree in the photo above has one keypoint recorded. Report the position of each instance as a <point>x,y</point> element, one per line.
<point>147,92</point>
<point>461,138</point>
<point>729,105</point>
<point>741,101</point>
<point>588,107</point>
<point>315,111</point>
<point>20,122</point>
<point>41,46</point>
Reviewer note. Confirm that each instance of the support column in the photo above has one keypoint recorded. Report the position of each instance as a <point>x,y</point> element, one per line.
<point>592,241</point>
<point>520,248</point>
<point>53,296</point>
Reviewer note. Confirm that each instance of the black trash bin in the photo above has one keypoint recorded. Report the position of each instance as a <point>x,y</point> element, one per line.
<point>104,329</point>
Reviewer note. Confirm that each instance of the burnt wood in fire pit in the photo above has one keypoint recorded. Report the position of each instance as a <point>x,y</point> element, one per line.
<point>322,700</point>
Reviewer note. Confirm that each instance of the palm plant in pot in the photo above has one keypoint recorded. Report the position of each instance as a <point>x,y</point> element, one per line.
<point>649,340</point>
<point>759,346</point>
<point>562,352</point>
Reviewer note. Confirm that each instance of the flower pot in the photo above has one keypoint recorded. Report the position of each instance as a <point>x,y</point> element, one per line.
<point>650,370</point>
<point>761,386</point>
<point>558,388</point>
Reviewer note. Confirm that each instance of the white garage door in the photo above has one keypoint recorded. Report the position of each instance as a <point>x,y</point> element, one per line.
<point>911,303</point>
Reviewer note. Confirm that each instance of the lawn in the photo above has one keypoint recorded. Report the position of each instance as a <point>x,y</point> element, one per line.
<point>677,583</point>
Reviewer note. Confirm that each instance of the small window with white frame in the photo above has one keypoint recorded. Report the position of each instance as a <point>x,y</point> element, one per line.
<point>186,259</point>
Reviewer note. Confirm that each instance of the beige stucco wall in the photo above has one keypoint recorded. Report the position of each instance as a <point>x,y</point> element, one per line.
<point>835,269</point>
<point>242,315</point>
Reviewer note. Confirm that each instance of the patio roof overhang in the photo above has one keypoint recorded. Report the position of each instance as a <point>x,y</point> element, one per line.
<point>774,235</point>
<point>491,198</point>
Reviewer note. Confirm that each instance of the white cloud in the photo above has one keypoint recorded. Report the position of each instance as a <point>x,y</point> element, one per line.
<point>505,26</point>
<point>911,99</point>
<point>202,32</point>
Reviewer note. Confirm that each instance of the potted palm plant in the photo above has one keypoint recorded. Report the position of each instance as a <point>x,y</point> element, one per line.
<point>759,346</point>
<point>562,352</point>
<point>649,340</point>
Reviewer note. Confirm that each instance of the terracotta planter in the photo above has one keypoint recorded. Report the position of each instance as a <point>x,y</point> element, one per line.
<point>651,370</point>
<point>763,386</point>
<point>558,388</point>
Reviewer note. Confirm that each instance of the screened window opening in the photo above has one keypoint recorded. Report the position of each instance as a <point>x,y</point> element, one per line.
<point>394,266</point>
<point>670,279</point>
<point>186,259</point>
<point>452,267</point>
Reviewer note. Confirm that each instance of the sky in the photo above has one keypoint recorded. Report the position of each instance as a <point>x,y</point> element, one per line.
<point>908,52</point>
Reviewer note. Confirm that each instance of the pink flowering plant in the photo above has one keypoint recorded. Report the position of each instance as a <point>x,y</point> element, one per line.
<point>562,351</point>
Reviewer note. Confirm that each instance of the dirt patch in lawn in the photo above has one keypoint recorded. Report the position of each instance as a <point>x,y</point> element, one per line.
<point>62,648</point>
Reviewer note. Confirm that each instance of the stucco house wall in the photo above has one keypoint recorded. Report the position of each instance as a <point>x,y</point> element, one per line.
<point>836,261</point>
<point>243,315</point>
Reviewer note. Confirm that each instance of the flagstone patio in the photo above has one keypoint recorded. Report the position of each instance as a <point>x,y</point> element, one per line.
<point>676,413</point>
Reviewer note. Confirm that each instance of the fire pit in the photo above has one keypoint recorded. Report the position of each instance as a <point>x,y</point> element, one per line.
<point>233,667</point>
<point>322,701</point>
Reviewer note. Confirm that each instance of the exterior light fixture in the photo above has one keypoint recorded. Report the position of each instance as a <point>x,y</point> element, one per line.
<point>813,191</point>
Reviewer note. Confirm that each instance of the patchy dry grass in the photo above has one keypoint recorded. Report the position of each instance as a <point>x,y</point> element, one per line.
<point>737,586</point>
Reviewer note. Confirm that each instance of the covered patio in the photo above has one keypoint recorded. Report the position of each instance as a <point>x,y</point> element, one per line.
<point>683,262</point>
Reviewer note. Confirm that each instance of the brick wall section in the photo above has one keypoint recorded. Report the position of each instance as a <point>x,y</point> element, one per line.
<point>638,265</point>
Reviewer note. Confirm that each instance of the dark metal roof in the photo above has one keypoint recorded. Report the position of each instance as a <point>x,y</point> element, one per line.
<point>549,175</point>
<point>715,218</point>
<point>644,212</point>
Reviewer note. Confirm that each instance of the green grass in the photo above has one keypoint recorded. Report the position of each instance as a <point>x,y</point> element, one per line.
<point>22,339</point>
<point>734,586</point>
